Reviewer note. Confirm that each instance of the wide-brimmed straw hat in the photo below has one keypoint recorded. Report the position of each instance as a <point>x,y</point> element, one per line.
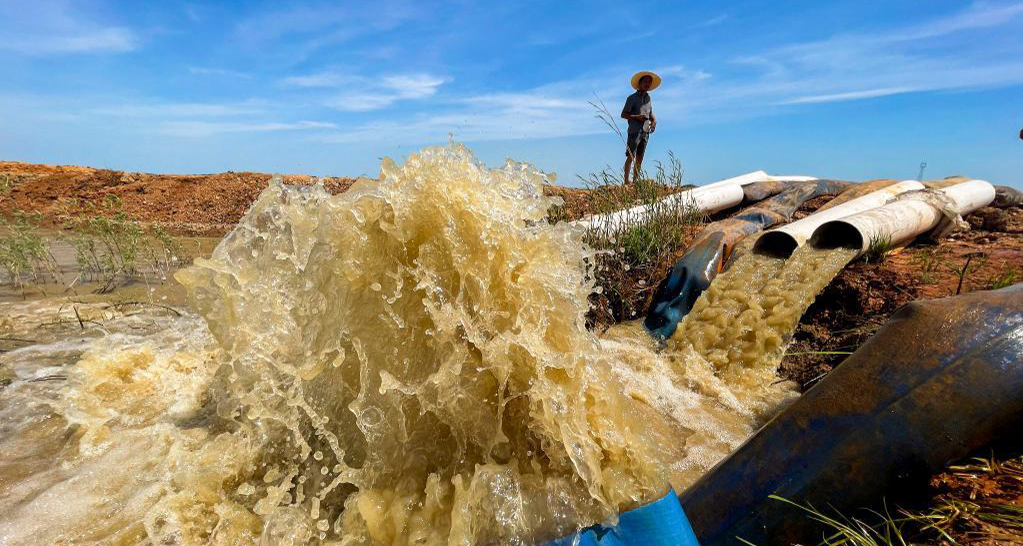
<point>640,74</point>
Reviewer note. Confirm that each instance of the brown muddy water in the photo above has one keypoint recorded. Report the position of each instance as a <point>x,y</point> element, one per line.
<point>404,363</point>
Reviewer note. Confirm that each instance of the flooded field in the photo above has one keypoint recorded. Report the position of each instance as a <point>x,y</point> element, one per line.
<point>403,363</point>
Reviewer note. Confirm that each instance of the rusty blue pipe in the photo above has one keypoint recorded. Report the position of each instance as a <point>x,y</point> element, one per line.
<point>693,273</point>
<point>940,380</point>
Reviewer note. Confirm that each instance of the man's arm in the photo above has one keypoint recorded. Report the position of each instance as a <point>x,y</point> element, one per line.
<point>653,121</point>
<point>629,107</point>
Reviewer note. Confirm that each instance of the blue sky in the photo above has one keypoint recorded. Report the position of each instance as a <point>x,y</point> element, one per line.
<point>852,90</point>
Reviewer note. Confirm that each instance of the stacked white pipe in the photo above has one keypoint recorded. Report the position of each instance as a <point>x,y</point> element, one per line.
<point>904,219</point>
<point>784,240</point>
<point>709,198</point>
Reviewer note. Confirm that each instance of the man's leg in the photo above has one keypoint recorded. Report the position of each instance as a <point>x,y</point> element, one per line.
<point>640,149</point>
<point>630,154</point>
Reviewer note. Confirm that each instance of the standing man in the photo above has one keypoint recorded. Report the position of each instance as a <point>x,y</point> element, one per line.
<point>639,111</point>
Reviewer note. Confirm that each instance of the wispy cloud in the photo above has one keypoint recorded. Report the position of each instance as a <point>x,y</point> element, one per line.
<point>552,110</point>
<point>716,20</point>
<point>844,67</point>
<point>851,95</point>
<point>210,128</point>
<point>322,79</point>
<point>926,56</point>
<point>300,30</point>
<point>180,109</point>
<point>412,86</point>
<point>54,27</point>
<point>81,40</point>
<point>364,93</point>
<point>205,71</point>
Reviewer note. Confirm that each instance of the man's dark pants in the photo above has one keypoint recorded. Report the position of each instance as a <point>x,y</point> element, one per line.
<point>637,143</point>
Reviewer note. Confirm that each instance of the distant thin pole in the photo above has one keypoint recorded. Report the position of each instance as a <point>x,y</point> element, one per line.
<point>923,165</point>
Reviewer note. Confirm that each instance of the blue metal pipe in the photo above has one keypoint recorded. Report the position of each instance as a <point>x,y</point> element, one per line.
<point>940,380</point>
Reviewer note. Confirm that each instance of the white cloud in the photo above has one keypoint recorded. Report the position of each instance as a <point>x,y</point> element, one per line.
<point>323,79</point>
<point>714,21</point>
<point>978,15</point>
<point>364,93</point>
<point>209,128</point>
<point>359,102</point>
<point>946,53</point>
<point>46,27</point>
<point>179,109</point>
<point>205,71</point>
<point>850,95</point>
<point>300,30</point>
<point>83,40</point>
<point>412,86</point>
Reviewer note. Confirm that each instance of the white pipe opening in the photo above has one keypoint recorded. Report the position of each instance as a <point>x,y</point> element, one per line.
<point>784,240</point>
<point>904,219</point>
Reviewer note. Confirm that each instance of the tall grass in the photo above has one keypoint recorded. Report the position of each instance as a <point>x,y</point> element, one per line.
<point>984,508</point>
<point>111,245</point>
<point>634,251</point>
<point>24,256</point>
<point>882,530</point>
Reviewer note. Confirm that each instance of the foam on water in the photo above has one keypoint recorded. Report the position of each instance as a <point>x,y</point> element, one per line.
<point>405,363</point>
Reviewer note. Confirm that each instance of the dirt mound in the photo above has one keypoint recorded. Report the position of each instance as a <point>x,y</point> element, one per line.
<point>185,204</point>
<point>192,204</point>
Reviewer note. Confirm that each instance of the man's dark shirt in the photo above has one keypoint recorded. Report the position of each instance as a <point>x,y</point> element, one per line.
<point>639,103</point>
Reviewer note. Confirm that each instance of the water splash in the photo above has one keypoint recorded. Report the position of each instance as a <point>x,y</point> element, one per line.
<point>405,363</point>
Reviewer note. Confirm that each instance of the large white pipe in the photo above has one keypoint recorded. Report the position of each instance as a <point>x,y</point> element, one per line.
<point>702,199</point>
<point>713,197</point>
<point>759,176</point>
<point>784,240</point>
<point>904,219</point>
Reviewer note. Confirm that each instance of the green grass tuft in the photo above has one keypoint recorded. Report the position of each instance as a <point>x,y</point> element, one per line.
<point>631,254</point>
<point>879,248</point>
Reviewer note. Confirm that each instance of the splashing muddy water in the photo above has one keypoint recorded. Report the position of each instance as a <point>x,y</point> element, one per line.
<point>745,319</point>
<point>405,363</point>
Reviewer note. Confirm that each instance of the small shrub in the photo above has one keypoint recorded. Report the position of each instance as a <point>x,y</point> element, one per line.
<point>24,255</point>
<point>632,252</point>
<point>110,244</point>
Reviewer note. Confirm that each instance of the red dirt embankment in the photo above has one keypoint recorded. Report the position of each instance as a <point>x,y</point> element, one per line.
<point>185,204</point>
<point>197,204</point>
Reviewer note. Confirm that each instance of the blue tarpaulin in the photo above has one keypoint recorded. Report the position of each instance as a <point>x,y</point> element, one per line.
<point>660,523</point>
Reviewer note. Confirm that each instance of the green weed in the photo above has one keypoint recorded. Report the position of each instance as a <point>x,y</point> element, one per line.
<point>929,261</point>
<point>952,518</point>
<point>851,531</point>
<point>974,261</point>
<point>1007,276</point>
<point>110,244</point>
<point>982,519</point>
<point>879,248</point>
<point>632,250</point>
<point>24,255</point>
